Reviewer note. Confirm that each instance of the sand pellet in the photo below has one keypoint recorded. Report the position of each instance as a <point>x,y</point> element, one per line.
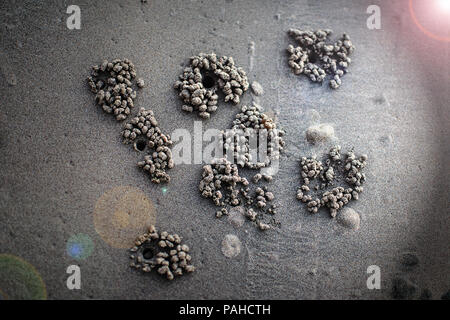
<point>163,252</point>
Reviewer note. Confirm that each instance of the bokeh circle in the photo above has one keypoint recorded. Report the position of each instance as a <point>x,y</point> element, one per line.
<point>121,214</point>
<point>79,246</point>
<point>19,280</point>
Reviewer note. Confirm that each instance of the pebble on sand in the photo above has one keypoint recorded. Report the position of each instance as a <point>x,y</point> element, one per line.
<point>319,133</point>
<point>349,218</point>
<point>231,246</point>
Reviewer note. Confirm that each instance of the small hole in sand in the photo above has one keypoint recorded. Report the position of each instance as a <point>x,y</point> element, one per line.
<point>313,57</point>
<point>208,81</point>
<point>148,253</point>
<point>140,145</point>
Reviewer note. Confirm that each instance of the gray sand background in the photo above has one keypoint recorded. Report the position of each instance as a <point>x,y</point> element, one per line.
<point>60,153</point>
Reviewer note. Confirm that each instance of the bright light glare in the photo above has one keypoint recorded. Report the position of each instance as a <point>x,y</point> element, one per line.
<point>444,5</point>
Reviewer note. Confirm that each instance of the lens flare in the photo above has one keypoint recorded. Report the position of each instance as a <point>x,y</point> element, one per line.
<point>19,280</point>
<point>444,5</point>
<point>79,246</point>
<point>121,214</point>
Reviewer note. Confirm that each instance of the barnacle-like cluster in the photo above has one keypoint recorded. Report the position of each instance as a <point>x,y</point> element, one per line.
<point>161,251</point>
<point>222,183</point>
<point>159,158</point>
<point>316,58</point>
<point>206,74</point>
<point>338,197</point>
<point>252,133</point>
<point>258,205</point>
<point>112,82</point>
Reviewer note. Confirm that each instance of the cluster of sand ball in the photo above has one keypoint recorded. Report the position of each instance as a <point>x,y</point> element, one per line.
<point>158,161</point>
<point>112,82</point>
<point>316,58</point>
<point>260,200</point>
<point>221,181</point>
<point>207,73</point>
<point>247,126</point>
<point>161,251</point>
<point>222,184</point>
<point>338,197</point>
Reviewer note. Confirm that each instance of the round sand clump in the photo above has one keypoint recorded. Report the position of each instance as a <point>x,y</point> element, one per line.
<point>257,88</point>
<point>236,216</point>
<point>349,218</point>
<point>319,133</point>
<point>204,77</point>
<point>231,246</point>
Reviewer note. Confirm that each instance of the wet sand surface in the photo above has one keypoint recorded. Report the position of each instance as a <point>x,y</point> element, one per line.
<point>60,153</point>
